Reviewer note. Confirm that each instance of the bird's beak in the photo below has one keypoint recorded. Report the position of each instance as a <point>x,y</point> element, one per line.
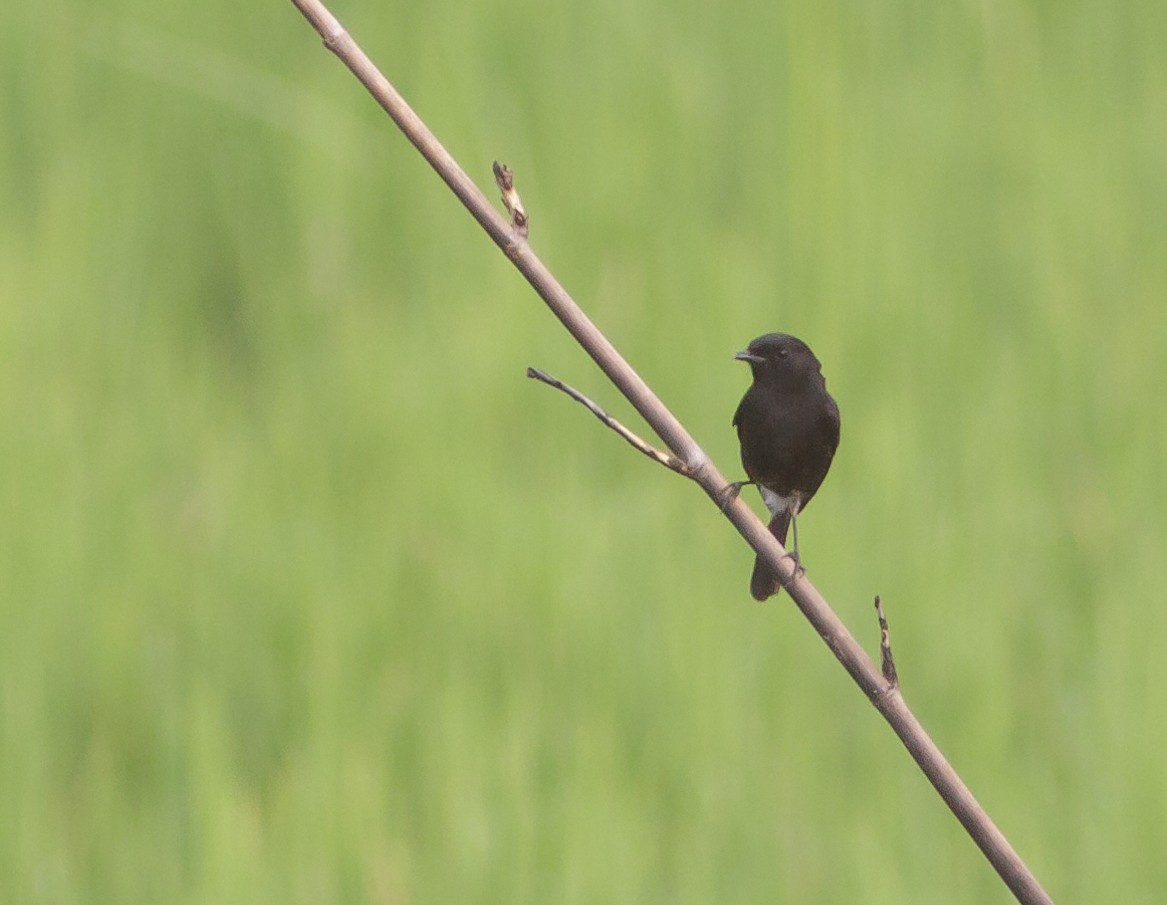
<point>745,355</point>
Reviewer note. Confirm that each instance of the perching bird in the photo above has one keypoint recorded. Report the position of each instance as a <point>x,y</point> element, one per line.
<point>788,426</point>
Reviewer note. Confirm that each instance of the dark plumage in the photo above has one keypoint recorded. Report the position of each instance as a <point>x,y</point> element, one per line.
<point>788,426</point>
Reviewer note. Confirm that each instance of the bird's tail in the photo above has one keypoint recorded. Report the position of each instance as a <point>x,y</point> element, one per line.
<point>764,582</point>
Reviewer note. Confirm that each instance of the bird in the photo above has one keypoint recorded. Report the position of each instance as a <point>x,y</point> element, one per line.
<point>788,426</point>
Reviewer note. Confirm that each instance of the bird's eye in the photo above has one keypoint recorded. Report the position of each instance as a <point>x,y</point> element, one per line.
<point>782,353</point>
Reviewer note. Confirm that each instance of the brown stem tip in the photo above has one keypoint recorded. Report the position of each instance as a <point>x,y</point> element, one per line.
<point>887,661</point>
<point>505,180</point>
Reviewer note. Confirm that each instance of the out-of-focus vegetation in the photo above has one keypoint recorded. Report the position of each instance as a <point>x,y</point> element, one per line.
<point>308,595</point>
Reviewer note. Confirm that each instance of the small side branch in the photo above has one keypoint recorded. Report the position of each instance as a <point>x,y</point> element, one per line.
<point>661,458</point>
<point>887,661</point>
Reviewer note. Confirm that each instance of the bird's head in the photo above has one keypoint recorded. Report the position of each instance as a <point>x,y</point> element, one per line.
<point>779,356</point>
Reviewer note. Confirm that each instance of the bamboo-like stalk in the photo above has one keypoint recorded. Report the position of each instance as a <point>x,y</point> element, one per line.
<point>687,457</point>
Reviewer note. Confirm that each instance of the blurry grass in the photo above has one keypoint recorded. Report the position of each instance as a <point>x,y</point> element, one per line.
<point>308,595</point>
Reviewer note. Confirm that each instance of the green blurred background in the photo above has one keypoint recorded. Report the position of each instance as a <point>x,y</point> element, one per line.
<point>308,595</point>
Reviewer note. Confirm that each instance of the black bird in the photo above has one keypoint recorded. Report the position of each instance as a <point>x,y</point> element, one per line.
<point>788,426</point>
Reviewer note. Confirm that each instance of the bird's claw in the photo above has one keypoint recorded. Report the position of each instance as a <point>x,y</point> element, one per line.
<point>731,492</point>
<point>799,570</point>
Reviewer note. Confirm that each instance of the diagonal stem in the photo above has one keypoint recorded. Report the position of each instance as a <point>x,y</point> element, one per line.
<point>886,698</point>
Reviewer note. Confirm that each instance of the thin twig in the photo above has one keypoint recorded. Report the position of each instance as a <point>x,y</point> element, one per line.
<point>889,702</point>
<point>887,661</point>
<point>661,458</point>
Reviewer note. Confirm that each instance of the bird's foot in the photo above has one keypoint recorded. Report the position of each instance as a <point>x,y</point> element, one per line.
<point>731,492</point>
<point>799,570</point>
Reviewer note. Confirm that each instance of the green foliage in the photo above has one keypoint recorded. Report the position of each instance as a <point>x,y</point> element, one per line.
<point>307,595</point>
